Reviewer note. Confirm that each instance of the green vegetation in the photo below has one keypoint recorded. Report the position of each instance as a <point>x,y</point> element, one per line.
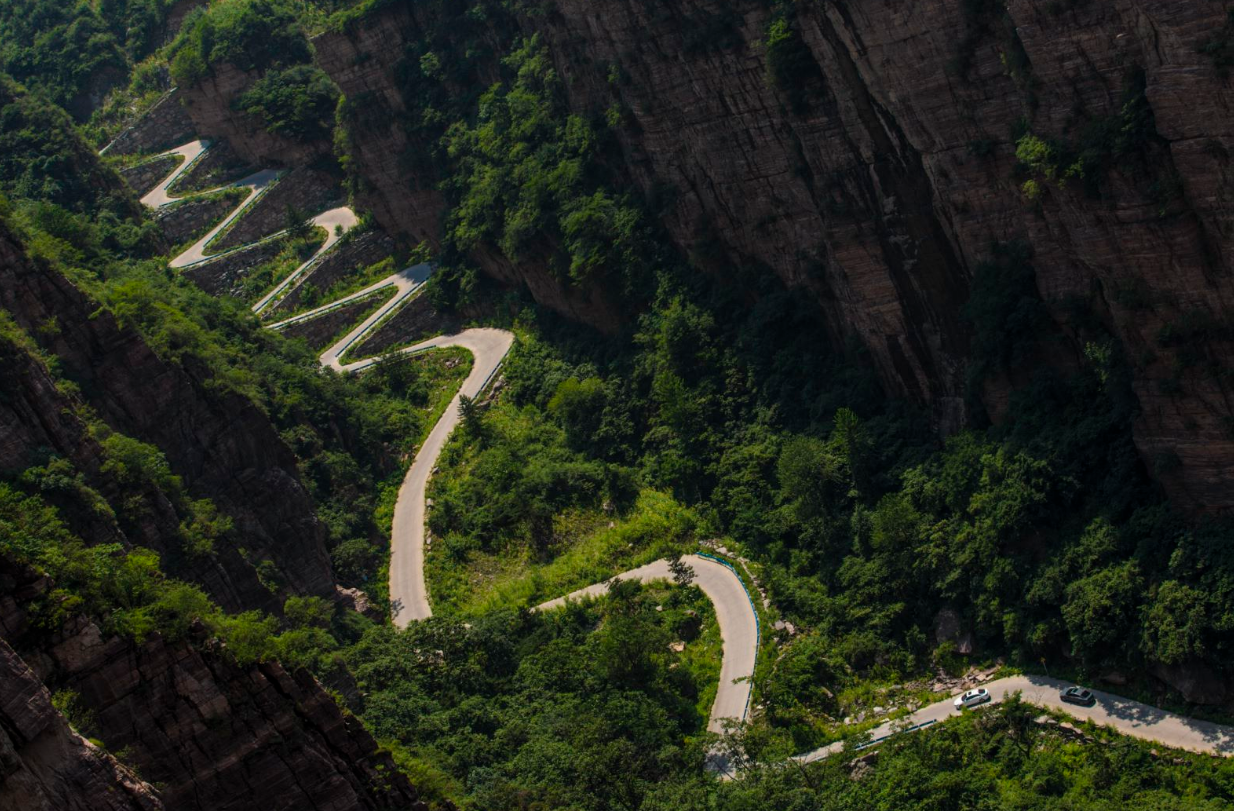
<point>298,102</point>
<point>998,758</point>
<point>790,65</point>
<point>296,250</point>
<point>73,50</point>
<point>252,35</point>
<point>312,297</point>
<point>723,412</point>
<point>572,709</point>
<point>524,180</point>
<point>124,587</point>
<point>1121,140</point>
<point>43,159</point>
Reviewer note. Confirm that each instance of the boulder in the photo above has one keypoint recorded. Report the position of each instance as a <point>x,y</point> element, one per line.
<point>1198,683</point>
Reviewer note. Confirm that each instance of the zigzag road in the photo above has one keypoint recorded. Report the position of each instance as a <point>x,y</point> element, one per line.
<point>734,609</point>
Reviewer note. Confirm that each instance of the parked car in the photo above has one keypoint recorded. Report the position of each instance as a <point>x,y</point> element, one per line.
<point>973,698</point>
<point>1078,695</point>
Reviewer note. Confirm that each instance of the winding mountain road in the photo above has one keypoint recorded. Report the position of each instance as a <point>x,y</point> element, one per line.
<point>337,222</point>
<point>1128,717</point>
<point>738,628</point>
<point>408,595</point>
<point>735,613</point>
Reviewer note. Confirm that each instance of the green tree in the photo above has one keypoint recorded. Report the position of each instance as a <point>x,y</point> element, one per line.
<point>472,417</point>
<point>1100,610</point>
<point>1175,623</point>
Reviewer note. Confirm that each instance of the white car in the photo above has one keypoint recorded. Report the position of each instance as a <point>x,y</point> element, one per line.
<point>972,698</point>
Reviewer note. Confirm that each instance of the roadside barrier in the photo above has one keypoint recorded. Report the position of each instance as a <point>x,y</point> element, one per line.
<point>758,628</point>
<point>882,738</point>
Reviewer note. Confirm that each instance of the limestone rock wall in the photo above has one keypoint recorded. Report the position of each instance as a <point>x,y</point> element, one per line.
<point>878,185</point>
<point>45,765</point>
<point>208,732</point>
<point>209,107</point>
<point>219,443</point>
<point>217,735</point>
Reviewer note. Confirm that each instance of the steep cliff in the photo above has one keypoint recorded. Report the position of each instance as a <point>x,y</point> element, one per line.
<point>223,448</point>
<point>45,765</point>
<point>211,105</point>
<point>208,732</point>
<point>872,155</point>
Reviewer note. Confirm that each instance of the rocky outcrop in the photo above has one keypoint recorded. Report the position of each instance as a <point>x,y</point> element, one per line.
<point>45,765</point>
<point>209,732</point>
<point>398,189</point>
<point>876,177</point>
<point>219,443</point>
<point>216,735</point>
<point>1195,681</point>
<point>210,106</point>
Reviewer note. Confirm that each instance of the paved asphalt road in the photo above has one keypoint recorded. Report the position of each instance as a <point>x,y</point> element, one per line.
<point>160,195</point>
<point>738,624</point>
<point>408,595</point>
<point>1127,716</point>
<point>738,628</point>
<point>256,184</point>
<point>337,222</point>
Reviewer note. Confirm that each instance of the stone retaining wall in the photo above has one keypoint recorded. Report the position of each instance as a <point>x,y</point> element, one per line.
<point>164,126</point>
<point>418,319</point>
<point>143,177</point>
<point>348,257</point>
<point>319,332</point>
<point>192,218</point>
<point>308,191</point>
<point>223,276</point>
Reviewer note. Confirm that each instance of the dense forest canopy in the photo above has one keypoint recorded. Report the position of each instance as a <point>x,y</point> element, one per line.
<point>713,416</point>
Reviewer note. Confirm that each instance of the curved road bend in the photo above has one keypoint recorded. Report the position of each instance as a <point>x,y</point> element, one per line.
<point>337,222</point>
<point>1128,717</point>
<point>160,195</point>
<point>738,628</point>
<point>408,595</point>
<point>256,184</point>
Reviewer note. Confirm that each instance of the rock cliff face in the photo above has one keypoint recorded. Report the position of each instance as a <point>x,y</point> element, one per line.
<point>209,733</point>
<point>877,182</point>
<point>215,735</point>
<point>45,765</point>
<point>221,446</point>
<point>209,107</point>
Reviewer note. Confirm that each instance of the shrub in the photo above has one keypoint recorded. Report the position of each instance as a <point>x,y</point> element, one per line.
<point>253,35</point>
<point>790,65</point>
<point>298,102</point>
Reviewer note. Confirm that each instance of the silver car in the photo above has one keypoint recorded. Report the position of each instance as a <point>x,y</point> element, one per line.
<point>972,698</point>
